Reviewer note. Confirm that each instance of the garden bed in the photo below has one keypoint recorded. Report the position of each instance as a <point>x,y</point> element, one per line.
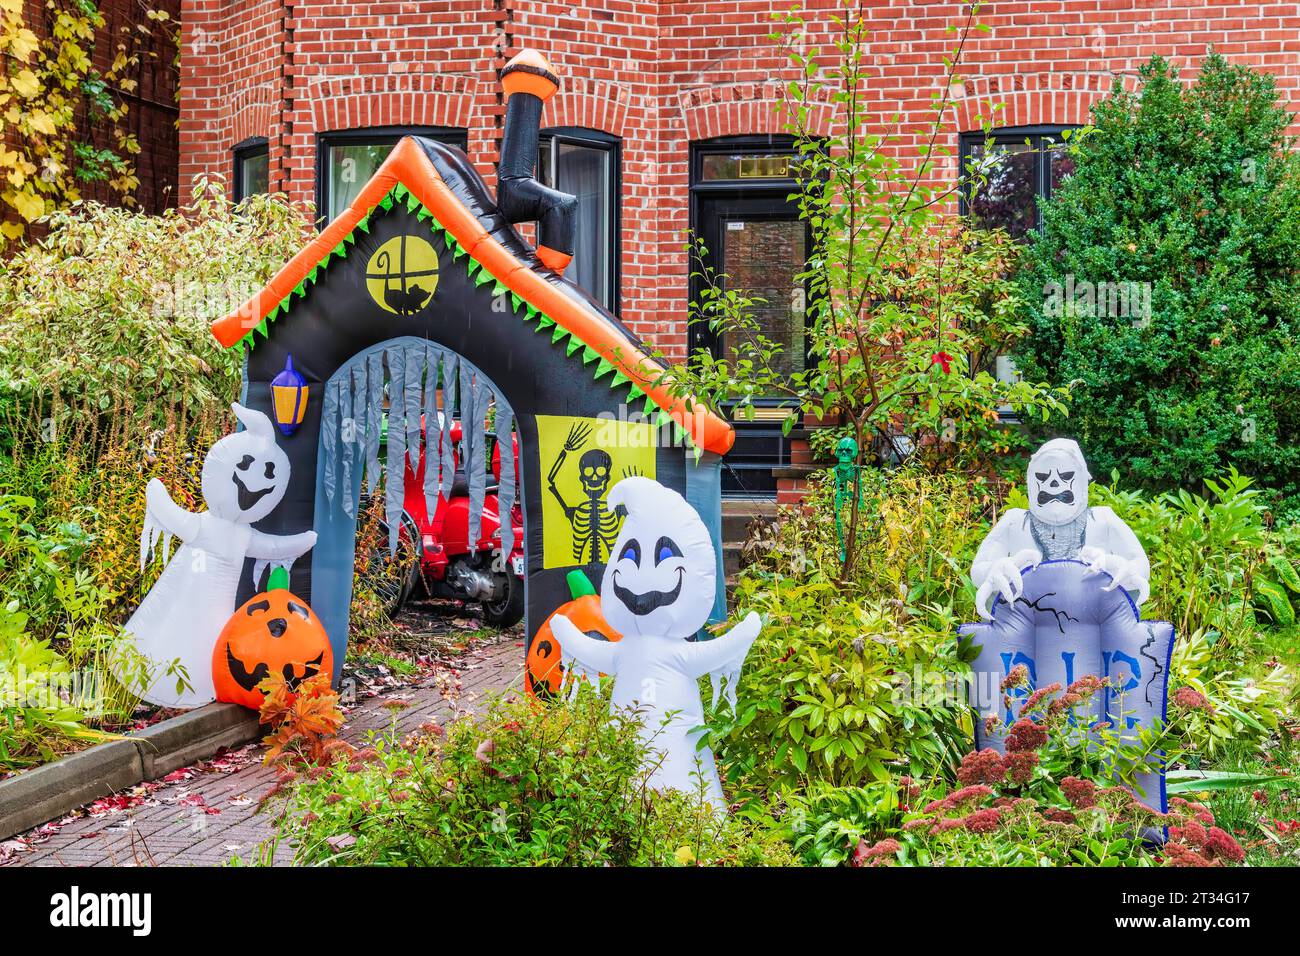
<point>425,638</point>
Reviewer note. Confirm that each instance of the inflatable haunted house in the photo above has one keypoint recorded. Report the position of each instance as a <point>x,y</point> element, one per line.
<point>420,314</point>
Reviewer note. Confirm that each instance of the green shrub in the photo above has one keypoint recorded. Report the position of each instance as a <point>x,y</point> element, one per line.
<point>38,721</point>
<point>1055,798</point>
<point>920,534</point>
<point>823,696</point>
<point>526,784</point>
<point>37,567</point>
<point>1243,711</point>
<point>1192,190</point>
<point>837,688</point>
<point>109,376</point>
<point>1265,817</point>
<point>58,619</point>
<point>109,313</point>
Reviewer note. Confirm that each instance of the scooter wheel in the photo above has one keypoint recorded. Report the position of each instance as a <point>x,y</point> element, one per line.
<point>508,610</point>
<point>391,578</point>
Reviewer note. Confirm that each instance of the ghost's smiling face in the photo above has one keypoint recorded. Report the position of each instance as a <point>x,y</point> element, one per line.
<point>245,474</point>
<point>1058,483</point>
<point>662,575</point>
<point>668,564</point>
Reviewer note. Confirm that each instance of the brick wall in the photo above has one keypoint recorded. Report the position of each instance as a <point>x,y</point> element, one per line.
<point>659,75</point>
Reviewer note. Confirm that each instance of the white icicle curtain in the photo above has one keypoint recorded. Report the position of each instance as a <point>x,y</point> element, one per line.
<point>412,377</point>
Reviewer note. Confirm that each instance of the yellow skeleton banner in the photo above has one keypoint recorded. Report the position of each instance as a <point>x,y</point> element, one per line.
<point>581,459</point>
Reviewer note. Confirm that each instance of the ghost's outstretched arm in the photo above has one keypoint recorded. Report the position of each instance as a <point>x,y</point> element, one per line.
<point>278,551</point>
<point>280,547</point>
<point>164,518</point>
<point>595,656</point>
<point>723,654</point>
<point>722,657</point>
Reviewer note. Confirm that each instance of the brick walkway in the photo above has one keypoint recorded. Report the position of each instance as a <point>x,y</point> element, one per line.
<point>206,815</point>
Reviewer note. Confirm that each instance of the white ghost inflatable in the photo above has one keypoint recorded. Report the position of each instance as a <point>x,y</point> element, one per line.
<point>657,591</point>
<point>244,477</point>
<point>1058,526</point>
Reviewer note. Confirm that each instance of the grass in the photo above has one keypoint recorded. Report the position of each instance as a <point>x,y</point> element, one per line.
<point>1282,643</point>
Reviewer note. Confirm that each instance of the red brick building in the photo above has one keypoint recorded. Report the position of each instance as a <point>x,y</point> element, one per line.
<point>666,117</point>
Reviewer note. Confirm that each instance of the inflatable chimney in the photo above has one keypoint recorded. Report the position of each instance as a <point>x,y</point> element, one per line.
<point>530,81</point>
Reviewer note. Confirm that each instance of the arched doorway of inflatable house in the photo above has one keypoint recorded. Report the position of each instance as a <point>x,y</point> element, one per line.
<point>412,423</point>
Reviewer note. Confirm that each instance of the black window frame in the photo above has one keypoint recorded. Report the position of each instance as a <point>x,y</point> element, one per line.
<point>613,145</point>
<point>241,152</point>
<point>698,336</point>
<point>372,136</point>
<point>1037,136</point>
<point>766,433</point>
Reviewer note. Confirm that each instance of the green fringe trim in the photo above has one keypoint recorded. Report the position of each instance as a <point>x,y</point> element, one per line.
<point>560,336</point>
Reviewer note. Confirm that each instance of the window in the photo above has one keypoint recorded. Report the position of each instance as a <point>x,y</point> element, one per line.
<point>742,210</point>
<point>1012,168</point>
<point>740,166</point>
<point>252,168</point>
<point>347,160</point>
<point>585,163</point>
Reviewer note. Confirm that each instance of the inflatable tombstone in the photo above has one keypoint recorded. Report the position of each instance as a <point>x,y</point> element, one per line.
<point>421,306</point>
<point>244,478</point>
<point>657,592</point>
<point>1066,581</point>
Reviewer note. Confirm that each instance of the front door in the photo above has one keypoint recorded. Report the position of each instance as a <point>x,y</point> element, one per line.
<point>756,241</point>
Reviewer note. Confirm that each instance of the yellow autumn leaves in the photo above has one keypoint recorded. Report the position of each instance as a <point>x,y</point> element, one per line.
<point>46,151</point>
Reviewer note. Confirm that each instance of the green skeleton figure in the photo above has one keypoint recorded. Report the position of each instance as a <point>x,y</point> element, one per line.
<point>847,473</point>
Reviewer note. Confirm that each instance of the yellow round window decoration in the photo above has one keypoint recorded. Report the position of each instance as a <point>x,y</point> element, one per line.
<point>402,275</point>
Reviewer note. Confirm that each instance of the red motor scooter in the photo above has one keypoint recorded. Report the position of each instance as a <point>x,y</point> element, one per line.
<point>435,557</point>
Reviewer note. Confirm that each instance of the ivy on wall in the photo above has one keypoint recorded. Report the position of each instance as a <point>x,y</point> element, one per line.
<point>61,124</point>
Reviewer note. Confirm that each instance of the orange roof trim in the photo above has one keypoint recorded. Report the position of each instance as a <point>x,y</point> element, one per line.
<point>408,165</point>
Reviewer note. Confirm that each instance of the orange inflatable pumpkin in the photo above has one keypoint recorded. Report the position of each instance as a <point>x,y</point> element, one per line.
<point>545,672</point>
<point>274,632</point>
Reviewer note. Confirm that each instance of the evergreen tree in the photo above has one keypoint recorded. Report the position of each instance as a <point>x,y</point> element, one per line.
<point>1165,284</point>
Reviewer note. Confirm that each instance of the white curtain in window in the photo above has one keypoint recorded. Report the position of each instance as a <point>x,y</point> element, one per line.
<point>585,172</point>
<point>350,168</point>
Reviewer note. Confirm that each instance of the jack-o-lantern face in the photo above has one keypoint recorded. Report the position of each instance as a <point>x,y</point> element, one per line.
<point>545,670</point>
<point>273,633</point>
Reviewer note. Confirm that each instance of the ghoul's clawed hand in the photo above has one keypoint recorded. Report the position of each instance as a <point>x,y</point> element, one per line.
<point>1005,579</point>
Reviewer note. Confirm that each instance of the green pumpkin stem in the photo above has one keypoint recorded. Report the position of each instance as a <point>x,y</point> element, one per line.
<point>278,580</point>
<point>579,584</point>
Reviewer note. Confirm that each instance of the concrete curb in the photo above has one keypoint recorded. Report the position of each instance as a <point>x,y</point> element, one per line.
<point>51,790</point>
